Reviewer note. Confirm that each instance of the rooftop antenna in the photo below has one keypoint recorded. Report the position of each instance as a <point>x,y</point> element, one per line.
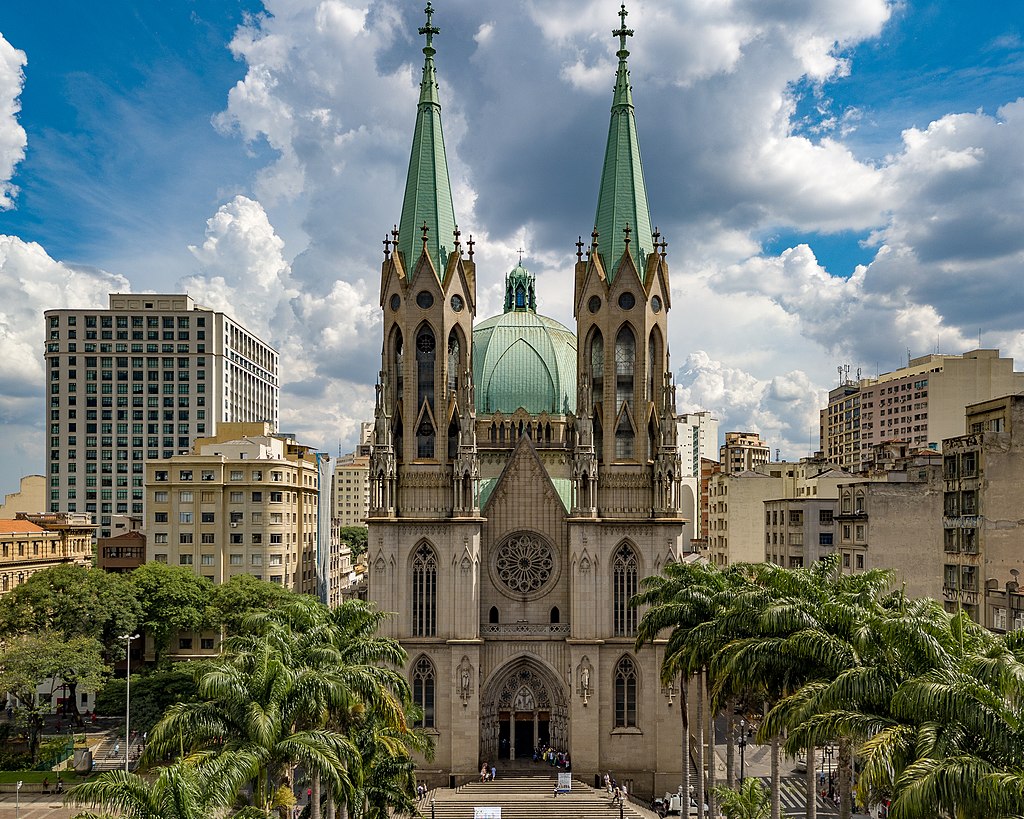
<point>839,370</point>
<point>858,375</point>
<point>908,356</point>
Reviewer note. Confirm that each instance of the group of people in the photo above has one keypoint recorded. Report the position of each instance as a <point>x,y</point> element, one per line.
<point>46,785</point>
<point>553,757</point>
<point>488,772</point>
<point>618,793</point>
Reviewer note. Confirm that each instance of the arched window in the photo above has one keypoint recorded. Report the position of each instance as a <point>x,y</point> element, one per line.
<point>423,691</point>
<point>652,367</point>
<point>625,693</point>
<point>453,438</point>
<point>398,365</point>
<point>623,588</point>
<point>492,615</point>
<point>425,355</point>
<point>625,360</point>
<point>424,592</point>
<point>597,367</point>
<point>555,615</point>
<point>454,362</point>
<point>520,297</point>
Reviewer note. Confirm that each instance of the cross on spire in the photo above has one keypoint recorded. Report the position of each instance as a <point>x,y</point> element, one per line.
<point>425,230</point>
<point>429,30</point>
<point>471,243</point>
<point>593,237</point>
<point>387,246</point>
<point>622,32</point>
<point>520,252</point>
<point>456,233</point>
<point>627,230</point>
<point>579,249</point>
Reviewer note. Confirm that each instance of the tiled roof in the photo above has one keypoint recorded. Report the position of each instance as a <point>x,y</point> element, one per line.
<point>19,527</point>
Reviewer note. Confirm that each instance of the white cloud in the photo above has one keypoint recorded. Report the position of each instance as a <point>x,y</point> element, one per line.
<point>12,135</point>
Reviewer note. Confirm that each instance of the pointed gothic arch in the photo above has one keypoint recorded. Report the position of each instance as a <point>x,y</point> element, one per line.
<point>655,347</point>
<point>455,364</point>
<point>424,590</point>
<point>625,572</point>
<point>626,684</point>
<point>523,704</point>
<point>625,385</point>
<point>424,685</point>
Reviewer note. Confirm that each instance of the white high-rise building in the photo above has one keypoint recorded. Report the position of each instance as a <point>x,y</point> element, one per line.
<point>698,438</point>
<point>139,381</point>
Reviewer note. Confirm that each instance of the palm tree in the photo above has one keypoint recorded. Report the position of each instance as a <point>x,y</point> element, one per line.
<point>180,791</point>
<point>751,801</point>
<point>251,714</point>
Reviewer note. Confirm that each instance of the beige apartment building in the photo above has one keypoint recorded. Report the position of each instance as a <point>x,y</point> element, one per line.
<point>350,490</point>
<point>922,403</point>
<point>33,542</point>
<point>30,497</point>
<point>140,381</point>
<point>982,526</point>
<point>743,451</point>
<point>245,502</point>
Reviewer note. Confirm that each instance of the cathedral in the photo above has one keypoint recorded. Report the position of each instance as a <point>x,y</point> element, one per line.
<point>525,476</point>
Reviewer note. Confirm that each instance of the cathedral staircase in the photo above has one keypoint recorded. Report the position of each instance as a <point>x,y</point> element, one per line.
<point>527,797</point>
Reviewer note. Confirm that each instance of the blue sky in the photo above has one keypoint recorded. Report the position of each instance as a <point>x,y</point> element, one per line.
<point>838,180</point>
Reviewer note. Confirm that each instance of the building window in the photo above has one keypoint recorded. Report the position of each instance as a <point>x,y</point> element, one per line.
<point>424,592</point>
<point>423,692</point>
<point>625,360</point>
<point>624,574</point>
<point>625,693</point>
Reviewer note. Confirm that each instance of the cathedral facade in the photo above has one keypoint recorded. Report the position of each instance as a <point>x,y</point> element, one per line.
<point>525,477</point>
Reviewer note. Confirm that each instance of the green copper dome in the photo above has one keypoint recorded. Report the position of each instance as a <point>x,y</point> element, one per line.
<point>521,359</point>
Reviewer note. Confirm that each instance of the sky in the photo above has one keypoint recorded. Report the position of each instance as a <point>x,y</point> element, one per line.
<point>841,182</point>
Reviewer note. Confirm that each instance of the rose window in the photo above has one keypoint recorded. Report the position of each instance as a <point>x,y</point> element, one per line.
<point>524,563</point>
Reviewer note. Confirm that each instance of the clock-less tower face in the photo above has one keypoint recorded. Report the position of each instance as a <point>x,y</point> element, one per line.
<point>524,565</point>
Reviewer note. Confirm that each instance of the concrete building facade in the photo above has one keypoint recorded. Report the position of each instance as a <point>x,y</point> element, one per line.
<point>698,438</point>
<point>350,490</point>
<point>140,381</point>
<point>922,403</point>
<point>30,497</point>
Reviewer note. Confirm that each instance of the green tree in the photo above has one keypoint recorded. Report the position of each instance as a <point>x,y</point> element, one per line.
<point>231,602</point>
<point>173,599</point>
<point>153,692</point>
<point>27,660</point>
<point>355,537</point>
<point>73,601</point>
<point>750,801</point>
<point>179,791</point>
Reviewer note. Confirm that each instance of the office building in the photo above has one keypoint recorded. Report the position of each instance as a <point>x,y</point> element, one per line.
<point>743,451</point>
<point>137,382</point>
<point>33,542</point>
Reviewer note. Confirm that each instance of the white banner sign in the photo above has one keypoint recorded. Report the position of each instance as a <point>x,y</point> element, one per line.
<point>487,813</point>
<point>564,781</point>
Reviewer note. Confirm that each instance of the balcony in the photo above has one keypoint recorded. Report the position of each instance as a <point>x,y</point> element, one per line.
<point>524,629</point>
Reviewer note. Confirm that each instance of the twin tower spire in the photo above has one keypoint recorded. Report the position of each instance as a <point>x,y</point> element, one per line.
<point>623,218</point>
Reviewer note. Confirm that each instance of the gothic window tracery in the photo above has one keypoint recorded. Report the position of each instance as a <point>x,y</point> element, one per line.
<point>624,586</point>
<point>425,358</point>
<point>524,563</point>
<point>625,693</point>
<point>625,361</point>
<point>424,592</point>
<point>423,685</point>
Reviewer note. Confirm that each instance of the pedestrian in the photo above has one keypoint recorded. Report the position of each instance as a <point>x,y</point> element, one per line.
<point>494,773</point>
<point>483,772</point>
<point>46,784</point>
<point>608,782</point>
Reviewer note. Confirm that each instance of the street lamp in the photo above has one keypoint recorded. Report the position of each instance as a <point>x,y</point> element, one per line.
<point>743,748</point>
<point>827,752</point>
<point>128,695</point>
<point>17,800</point>
<point>432,807</point>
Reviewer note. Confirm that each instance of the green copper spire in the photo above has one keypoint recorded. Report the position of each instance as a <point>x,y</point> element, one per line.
<point>520,289</point>
<point>428,193</point>
<point>622,200</point>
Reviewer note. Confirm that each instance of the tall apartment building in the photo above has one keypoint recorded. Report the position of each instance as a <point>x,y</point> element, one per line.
<point>922,403</point>
<point>244,502</point>
<point>33,542</point>
<point>140,381</point>
<point>982,526</point>
<point>350,492</point>
<point>698,438</point>
<point>840,426</point>
<point>743,451</point>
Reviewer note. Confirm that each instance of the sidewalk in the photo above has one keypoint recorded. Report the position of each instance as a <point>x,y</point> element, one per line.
<point>35,806</point>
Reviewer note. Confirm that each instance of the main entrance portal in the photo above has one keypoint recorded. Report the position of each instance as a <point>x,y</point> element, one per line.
<point>524,707</point>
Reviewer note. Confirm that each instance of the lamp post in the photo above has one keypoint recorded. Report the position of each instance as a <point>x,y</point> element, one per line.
<point>17,800</point>
<point>432,807</point>
<point>827,752</point>
<point>128,696</point>
<point>743,748</point>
